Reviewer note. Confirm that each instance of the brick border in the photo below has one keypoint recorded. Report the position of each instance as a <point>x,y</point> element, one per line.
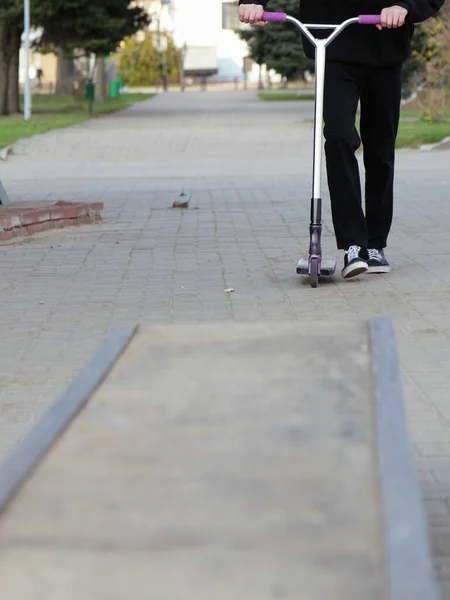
<point>22,221</point>
<point>410,568</point>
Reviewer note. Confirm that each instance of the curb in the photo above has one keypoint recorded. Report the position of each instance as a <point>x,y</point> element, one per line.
<point>5,152</point>
<point>442,144</point>
<point>21,220</point>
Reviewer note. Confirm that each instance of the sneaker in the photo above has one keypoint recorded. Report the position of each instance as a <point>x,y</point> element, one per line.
<point>377,262</point>
<point>355,262</point>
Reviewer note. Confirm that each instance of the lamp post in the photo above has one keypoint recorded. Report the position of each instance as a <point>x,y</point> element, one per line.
<point>182,59</point>
<point>27,89</point>
<point>163,46</point>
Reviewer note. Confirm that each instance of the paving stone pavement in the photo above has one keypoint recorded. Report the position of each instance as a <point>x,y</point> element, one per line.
<point>248,166</point>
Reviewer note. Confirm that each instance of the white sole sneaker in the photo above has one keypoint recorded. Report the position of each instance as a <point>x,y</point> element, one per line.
<point>379,269</point>
<point>358,267</point>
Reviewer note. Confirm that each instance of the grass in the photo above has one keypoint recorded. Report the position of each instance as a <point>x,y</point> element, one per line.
<point>416,133</point>
<point>415,114</point>
<point>285,96</point>
<point>54,112</point>
<point>412,134</point>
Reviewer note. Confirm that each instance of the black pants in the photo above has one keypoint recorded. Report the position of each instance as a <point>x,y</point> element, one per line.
<point>379,92</point>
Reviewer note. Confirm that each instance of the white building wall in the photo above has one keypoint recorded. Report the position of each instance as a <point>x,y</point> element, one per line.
<point>199,23</point>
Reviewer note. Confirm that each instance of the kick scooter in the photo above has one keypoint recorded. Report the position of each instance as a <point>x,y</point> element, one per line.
<point>314,266</point>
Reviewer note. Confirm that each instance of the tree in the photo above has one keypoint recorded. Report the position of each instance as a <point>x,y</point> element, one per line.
<point>415,65</point>
<point>428,69</point>
<point>279,45</point>
<point>94,27</point>
<point>140,62</point>
<point>129,58</point>
<point>173,58</point>
<point>68,26</point>
<point>11,27</point>
<point>433,99</point>
<point>90,27</point>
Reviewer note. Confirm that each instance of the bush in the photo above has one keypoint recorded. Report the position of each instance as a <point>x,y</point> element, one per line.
<point>141,63</point>
<point>434,98</point>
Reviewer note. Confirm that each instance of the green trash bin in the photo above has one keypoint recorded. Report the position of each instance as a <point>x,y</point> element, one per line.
<point>114,89</point>
<point>120,81</point>
<point>89,91</point>
<point>89,94</point>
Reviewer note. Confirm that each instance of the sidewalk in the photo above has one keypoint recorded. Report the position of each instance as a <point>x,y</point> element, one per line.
<point>248,167</point>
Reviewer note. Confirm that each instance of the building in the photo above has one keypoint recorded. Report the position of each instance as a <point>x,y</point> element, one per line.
<point>162,22</point>
<point>47,63</point>
<point>210,25</point>
<point>200,63</point>
<point>204,26</point>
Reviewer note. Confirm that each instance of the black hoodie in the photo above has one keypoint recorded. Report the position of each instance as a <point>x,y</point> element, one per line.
<point>358,44</point>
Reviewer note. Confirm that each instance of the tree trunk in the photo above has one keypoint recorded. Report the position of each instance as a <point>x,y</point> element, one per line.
<point>101,79</point>
<point>13,72</point>
<point>4,69</point>
<point>260,79</point>
<point>59,74</point>
<point>165,81</point>
<point>64,72</point>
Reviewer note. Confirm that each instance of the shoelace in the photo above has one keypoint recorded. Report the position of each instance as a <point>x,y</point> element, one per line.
<point>353,252</point>
<point>374,254</point>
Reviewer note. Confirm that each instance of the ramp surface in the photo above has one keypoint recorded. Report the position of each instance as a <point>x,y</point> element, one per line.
<point>221,462</point>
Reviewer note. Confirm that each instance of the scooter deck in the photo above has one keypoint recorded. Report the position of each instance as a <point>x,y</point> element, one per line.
<point>327,267</point>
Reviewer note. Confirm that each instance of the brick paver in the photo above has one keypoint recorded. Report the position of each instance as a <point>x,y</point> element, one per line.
<point>248,166</point>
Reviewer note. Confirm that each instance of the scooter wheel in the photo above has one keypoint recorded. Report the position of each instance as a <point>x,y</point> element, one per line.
<point>314,272</point>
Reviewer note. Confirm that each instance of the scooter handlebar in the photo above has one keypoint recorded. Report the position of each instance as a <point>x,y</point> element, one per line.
<point>278,17</point>
<point>369,20</point>
<point>274,17</point>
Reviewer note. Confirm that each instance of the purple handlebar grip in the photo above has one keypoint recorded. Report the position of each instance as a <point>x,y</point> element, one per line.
<point>274,17</point>
<point>369,20</point>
